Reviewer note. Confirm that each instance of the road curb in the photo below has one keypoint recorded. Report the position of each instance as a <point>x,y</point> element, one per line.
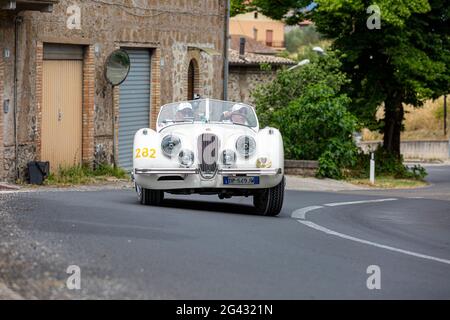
<point>8,187</point>
<point>298,183</point>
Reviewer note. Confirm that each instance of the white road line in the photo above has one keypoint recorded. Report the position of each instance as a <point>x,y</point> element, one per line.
<point>344,236</point>
<point>336,204</point>
<point>300,215</point>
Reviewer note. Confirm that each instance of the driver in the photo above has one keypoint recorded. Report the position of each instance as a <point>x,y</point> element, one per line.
<point>238,114</point>
<point>184,112</point>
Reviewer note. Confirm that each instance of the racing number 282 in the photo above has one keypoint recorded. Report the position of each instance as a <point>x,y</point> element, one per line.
<point>145,153</point>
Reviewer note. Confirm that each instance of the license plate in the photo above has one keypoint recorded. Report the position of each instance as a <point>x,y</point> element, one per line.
<point>240,180</point>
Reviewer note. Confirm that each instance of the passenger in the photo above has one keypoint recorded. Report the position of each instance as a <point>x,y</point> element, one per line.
<point>184,112</point>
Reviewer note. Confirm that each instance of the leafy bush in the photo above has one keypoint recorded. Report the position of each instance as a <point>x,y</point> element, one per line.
<point>338,155</point>
<point>290,85</point>
<point>306,106</point>
<point>418,172</point>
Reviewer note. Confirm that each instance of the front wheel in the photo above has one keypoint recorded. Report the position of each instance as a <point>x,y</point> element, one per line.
<point>149,197</point>
<point>270,201</point>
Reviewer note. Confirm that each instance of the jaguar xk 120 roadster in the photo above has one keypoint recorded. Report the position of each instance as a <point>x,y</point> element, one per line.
<point>210,147</point>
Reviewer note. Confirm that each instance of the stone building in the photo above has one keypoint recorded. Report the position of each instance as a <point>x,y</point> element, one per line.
<point>55,102</point>
<point>263,29</point>
<point>248,70</point>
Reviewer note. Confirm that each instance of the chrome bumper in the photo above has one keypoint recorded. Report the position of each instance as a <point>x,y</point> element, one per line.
<point>167,171</point>
<point>223,172</point>
<point>259,172</point>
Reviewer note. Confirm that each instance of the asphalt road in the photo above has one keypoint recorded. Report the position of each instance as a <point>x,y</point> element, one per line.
<point>199,247</point>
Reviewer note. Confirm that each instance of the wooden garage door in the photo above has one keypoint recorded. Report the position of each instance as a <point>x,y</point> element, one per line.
<point>62,113</point>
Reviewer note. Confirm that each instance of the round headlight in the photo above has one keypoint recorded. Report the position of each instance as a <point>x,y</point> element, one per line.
<point>228,157</point>
<point>170,145</point>
<point>246,146</point>
<point>186,158</point>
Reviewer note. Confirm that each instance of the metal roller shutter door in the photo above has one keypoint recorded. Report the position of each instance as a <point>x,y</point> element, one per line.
<point>134,109</point>
<point>53,51</point>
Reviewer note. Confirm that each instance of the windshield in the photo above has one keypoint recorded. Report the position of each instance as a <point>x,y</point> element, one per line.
<point>207,111</point>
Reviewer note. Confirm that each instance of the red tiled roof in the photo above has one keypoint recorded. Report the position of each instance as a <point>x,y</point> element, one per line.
<point>251,45</point>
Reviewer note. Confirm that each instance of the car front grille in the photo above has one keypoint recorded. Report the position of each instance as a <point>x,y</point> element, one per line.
<point>208,154</point>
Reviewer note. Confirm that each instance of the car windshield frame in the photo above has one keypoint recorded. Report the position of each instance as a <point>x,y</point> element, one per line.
<point>207,111</point>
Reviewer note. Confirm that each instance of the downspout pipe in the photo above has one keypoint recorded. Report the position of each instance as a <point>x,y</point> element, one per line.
<point>17,22</point>
<point>225,50</point>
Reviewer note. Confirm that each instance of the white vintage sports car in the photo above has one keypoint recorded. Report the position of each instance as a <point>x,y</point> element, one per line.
<point>210,147</point>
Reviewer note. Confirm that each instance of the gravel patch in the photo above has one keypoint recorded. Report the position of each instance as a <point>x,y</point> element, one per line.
<point>35,269</point>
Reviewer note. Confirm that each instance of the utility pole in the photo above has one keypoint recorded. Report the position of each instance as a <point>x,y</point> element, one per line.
<point>225,50</point>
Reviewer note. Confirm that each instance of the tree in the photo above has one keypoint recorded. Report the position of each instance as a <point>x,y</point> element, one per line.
<point>239,6</point>
<point>311,114</point>
<point>405,61</point>
<point>298,38</point>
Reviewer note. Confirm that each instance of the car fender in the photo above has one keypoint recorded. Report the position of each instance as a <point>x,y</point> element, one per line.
<point>270,144</point>
<point>147,152</point>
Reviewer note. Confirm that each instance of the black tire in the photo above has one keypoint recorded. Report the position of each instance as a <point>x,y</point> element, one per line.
<point>270,201</point>
<point>149,197</point>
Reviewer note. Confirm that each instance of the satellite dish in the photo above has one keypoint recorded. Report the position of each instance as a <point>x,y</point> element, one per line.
<point>117,67</point>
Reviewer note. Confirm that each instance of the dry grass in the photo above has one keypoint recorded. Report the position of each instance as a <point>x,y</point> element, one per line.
<point>385,182</point>
<point>422,123</point>
<point>80,175</point>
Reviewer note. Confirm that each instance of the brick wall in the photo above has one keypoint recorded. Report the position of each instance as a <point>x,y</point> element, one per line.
<point>88,105</point>
<point>155,87</point>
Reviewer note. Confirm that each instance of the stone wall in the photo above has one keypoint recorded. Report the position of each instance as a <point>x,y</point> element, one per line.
<point>7,134</point>
<point>415,150</point>
<point>173,30</point>
<point>244,80</point>
<point>2,74</point>
<point>306,168</point>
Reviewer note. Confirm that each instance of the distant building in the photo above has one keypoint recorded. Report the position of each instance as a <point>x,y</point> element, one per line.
<point>251,46</point>
<point>260,28</point>
<point>247,73</point>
